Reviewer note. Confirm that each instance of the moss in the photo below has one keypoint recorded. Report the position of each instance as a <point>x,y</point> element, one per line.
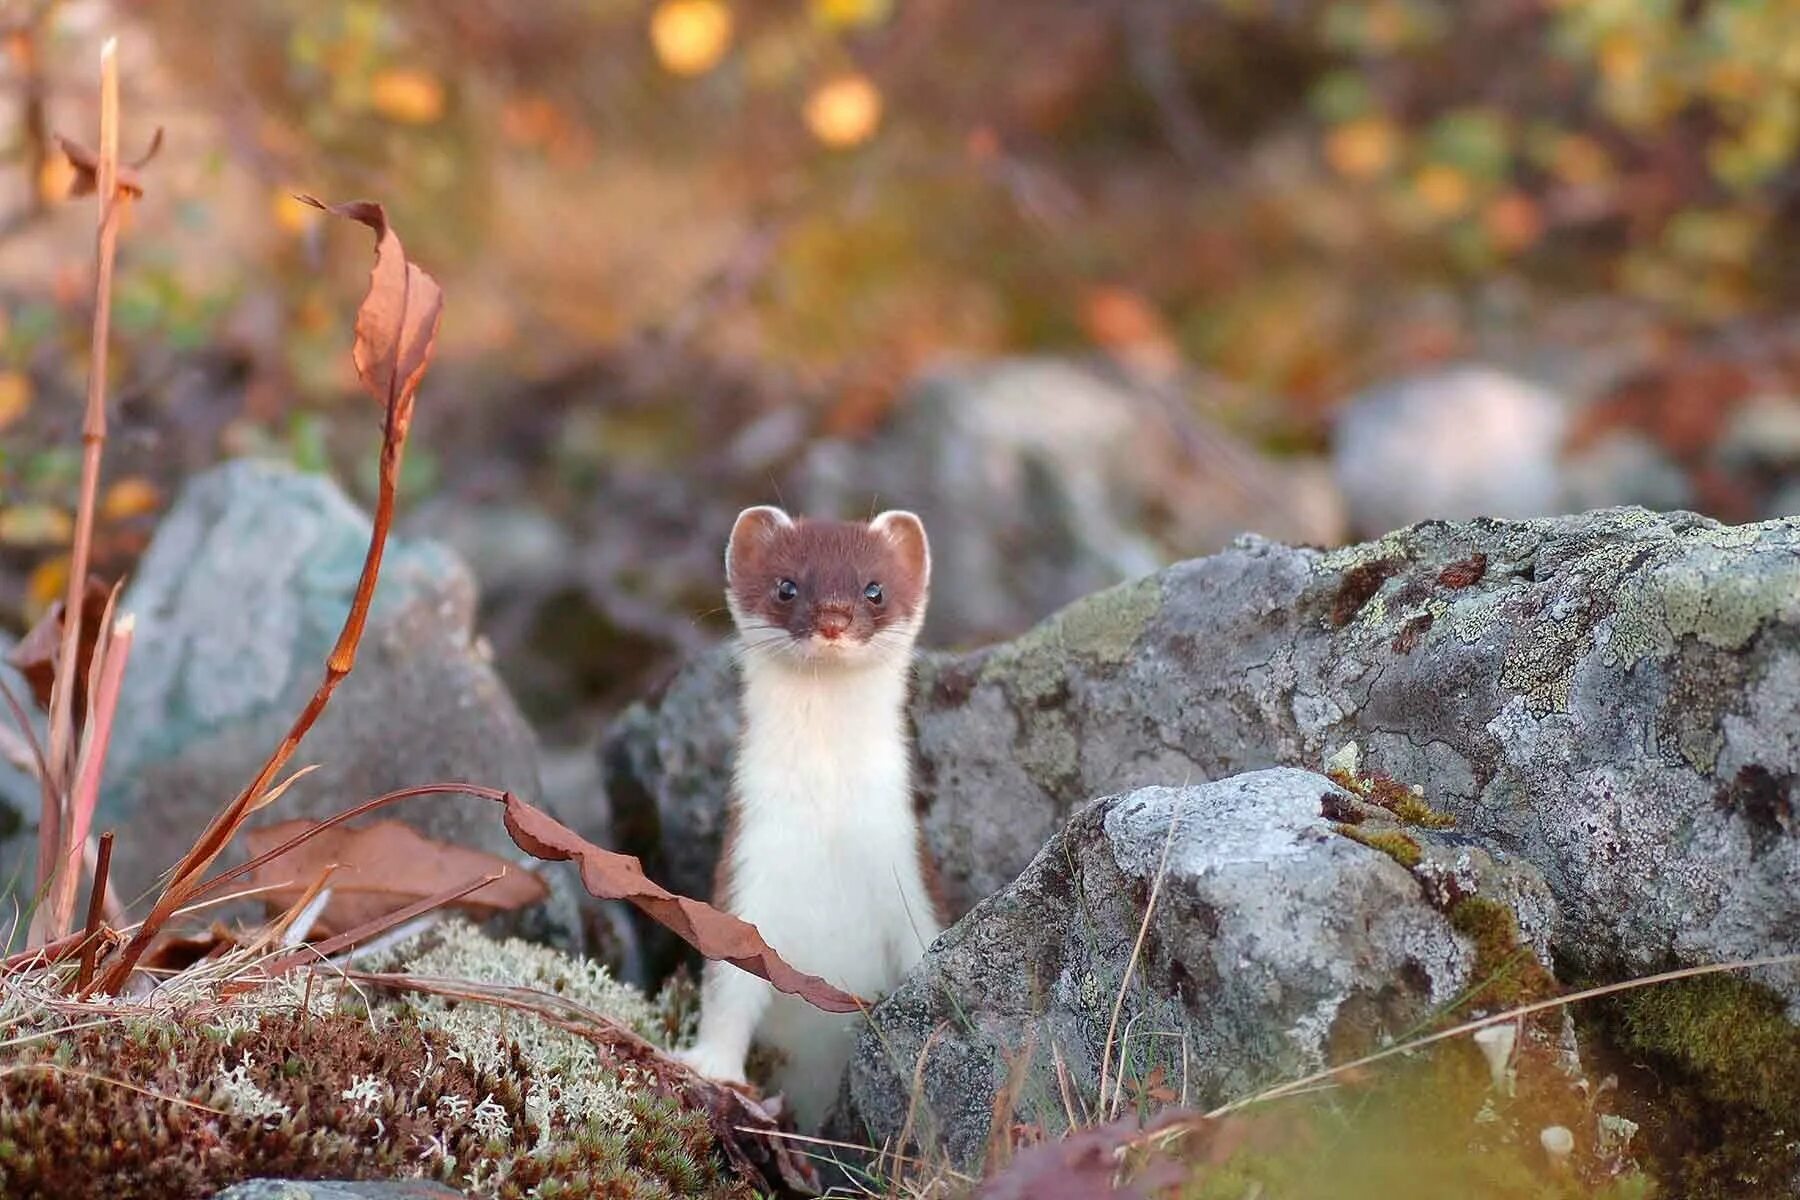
<point>1464,574</point>
<point>1506,973</point>
<point>1711,1066</point>
<point>1407,805</point>
<point>1432,1125</point>
<point>1731,1036</point>
<point>1391,842</point>
<point>293,1084</point>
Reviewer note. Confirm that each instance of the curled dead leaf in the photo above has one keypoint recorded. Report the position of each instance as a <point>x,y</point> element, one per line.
<point>397,324</point>
<point>86,165</point>
<point>381,868</point>
<point>35,655</point>
<point>715,933</point>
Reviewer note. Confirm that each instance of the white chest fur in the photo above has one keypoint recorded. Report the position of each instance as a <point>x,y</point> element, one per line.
<point>826,855</point>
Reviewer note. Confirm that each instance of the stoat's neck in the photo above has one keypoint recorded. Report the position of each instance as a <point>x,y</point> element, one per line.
<point>822,742</point>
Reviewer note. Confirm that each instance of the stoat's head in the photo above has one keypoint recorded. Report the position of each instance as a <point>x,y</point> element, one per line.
<point>822,593</point>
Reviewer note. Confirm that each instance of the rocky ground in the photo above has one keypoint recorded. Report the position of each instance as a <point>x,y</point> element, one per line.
<point>1207,831</point>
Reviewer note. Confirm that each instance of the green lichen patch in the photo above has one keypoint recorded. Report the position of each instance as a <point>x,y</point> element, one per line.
<point>1101,629</point>
<point>1035,669</point>
<point>1391,842</point>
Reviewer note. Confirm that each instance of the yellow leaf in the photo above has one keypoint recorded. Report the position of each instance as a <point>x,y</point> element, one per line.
<point>1622,57</point>
<point>851,14</point>
<point>131,497</point>
<point>35,525</point>
<point>1580,160</point>
<point>1363,148</point>
<point>291,216</point>
<point>408,95</point>
<point>48,582</point>
<point>1445,190</point>
<point>55,178</point>
<point>15,396</point>
<point>845,111</point>
<point>690,37</point>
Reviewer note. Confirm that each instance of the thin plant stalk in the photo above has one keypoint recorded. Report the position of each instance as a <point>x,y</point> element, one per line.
<point>1137,949</point>
<point>90,942</point>
<point>59,760</point>
<point>107,674</point>
<point>224,826</point>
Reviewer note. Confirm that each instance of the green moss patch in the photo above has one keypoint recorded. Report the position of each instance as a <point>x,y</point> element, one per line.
<point>1506,972</point>
<point>1407,805</point>
<point>1391,842</point>
<point>1711,1067</point>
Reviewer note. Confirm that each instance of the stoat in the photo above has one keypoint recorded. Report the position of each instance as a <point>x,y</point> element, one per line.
<point>823,852</point>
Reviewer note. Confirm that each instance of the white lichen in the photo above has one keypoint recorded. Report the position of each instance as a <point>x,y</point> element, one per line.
<point>366,1092</point>
<point>242,1096</point>
<point>570,1083</point>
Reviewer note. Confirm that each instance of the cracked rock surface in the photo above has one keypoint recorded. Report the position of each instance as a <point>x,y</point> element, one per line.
<point>1275,944</point>
<point>1614,698</point>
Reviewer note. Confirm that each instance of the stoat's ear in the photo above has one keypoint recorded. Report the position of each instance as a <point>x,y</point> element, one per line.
<point>754,529</point>
<point>907,533</point>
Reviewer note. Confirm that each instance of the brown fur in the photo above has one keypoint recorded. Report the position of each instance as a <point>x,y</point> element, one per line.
<point>830,563</point>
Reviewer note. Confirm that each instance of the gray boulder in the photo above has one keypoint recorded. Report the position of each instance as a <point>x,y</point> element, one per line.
<point>1469,441</point>
<point>1612,698</point>
<point>1043,480</point>
<point>239,600</point>
<point>319,1189</point>
<point>1276,944</point>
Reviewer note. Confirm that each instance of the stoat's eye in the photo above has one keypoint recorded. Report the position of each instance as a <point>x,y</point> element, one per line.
<point>872,594</point>
<point>786,590</point>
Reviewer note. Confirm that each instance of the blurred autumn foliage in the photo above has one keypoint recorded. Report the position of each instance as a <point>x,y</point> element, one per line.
<point>1298,196</point>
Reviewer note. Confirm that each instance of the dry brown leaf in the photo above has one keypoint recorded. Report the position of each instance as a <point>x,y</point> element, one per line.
<point>381,868</point>
<point>397,325</point>
<point>87,167</point>
<point>716,934</point>
<point>35,655</point>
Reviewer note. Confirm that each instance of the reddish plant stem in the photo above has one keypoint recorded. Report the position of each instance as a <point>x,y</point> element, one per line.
<point>56,821</point>
<point>90,942</point>
<point>224,826</point>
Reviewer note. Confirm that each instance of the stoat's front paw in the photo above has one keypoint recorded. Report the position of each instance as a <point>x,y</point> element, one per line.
<point>711,1063</point>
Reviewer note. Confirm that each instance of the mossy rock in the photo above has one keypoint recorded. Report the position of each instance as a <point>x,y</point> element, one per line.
<point>1714,1065</point>
<point>287,1083</point>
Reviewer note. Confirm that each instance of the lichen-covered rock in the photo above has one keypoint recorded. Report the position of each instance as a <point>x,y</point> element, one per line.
<point>238,601</point>
<point>326,1189</point>
<point>1613,698</point>
<point>1276,945</point>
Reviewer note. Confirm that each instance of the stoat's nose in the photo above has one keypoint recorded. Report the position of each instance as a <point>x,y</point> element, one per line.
<point>830,623</point>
